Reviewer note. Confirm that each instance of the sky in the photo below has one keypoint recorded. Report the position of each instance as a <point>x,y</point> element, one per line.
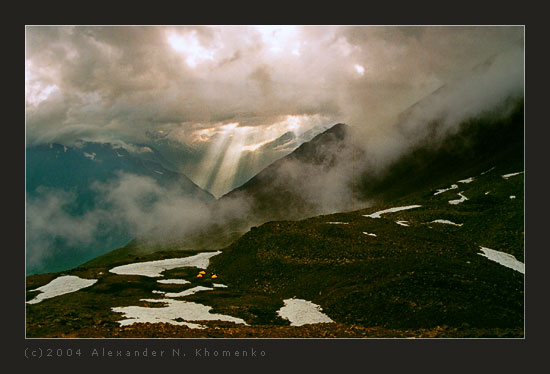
<point>202,86</point>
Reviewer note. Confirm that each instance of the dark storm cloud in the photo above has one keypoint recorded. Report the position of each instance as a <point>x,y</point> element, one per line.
<point>119,82</point>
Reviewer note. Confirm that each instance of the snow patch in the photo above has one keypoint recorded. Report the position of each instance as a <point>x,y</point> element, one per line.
<point>158,172</point>
<point>369,234</point>
<point>188,292</point>
<point>219,285</point>
<point>506,176</point>
<point>453,187</point>
<point>90,156</point>
<point>338,223</point>
<point>155,268</point>
<point>60,286</point>
<point>502,258</point>
<point>458,201</point>
<point>446,222</point>
<point>402,223</point>
<point>487,193</point>
<point>302,312</point>
<point>391,210</point>
<point>176,313</point>
<point>486,171</point>
<point>512,196</point>
<point>173,281</point>
<point>467,180</point>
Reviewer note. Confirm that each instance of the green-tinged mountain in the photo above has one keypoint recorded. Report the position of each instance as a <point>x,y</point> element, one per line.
<point>63,183</point>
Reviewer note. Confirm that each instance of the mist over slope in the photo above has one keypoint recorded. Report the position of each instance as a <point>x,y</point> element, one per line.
<point>334,173</point>
<point>310,179</point>
<point>84,200</point>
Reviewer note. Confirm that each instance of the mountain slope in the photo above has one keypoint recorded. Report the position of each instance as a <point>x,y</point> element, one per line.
<point>271,190</point>
<point>331,173</point>
<point>491,139</point>
<point>400,271</point>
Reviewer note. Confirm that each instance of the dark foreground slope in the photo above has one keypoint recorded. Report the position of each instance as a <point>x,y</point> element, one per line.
<point>423,275</point>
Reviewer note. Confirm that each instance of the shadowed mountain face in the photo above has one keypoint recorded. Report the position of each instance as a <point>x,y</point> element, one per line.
<point>291,186</point>
<point>76,168</point>
<point>493,139</point>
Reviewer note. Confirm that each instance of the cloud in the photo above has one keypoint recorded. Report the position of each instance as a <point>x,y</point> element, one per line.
<point>120,82</point>
<point>50,217</point>
<point>136,206</point>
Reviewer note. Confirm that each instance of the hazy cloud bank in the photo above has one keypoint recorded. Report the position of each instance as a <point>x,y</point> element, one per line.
<point>119,82</point>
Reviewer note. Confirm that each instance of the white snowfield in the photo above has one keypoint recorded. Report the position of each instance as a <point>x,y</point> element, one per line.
<point>368,233</point>
<point>155,268</point>
<point>446,222</point>
<point>467,180</point>
<point>173,281</point>
<point>302,312</point>
<point>179,312</point>
<point>188,292</point>
<point>176,313</point>
<point>512,196</point>
<point>506,176</point>
<point>60,286</point>
<point>391,210</point>
<point>502,258</point>
<point>458,201</point>
<point>338,223</point>
<point>402,223</point>
<point>453,187</point>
